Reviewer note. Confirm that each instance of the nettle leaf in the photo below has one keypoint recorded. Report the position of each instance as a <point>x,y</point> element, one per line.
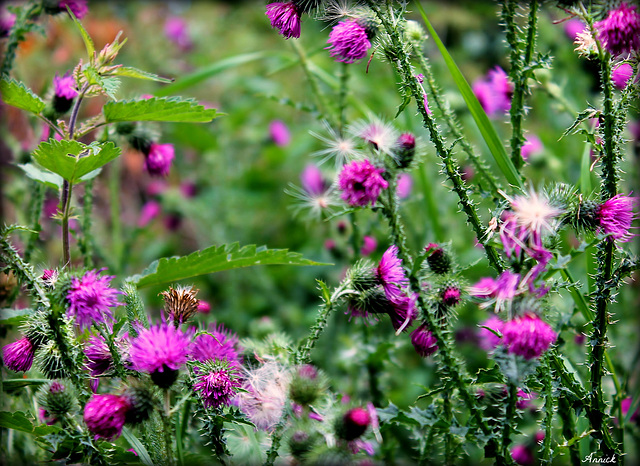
<point>216,259</point>
<point>73,160</point>
<point>43,176</point>
<point>131,72</point>
<point>16,94</point>
<point>158,109</point>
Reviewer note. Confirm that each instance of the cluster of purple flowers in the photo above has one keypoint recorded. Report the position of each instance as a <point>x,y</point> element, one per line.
<point>619,32</point>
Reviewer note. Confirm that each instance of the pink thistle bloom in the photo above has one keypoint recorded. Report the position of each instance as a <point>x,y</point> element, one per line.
<point>621,75</point>
<point>284,16</point>
<point>90,298</point>
<point>619,32</point>
<point>524,399</point>
<point>7,20</point>
<point>532,145</point>
<point>403,312</point>
<point>204,307</point>
<point>279,133</point>
<point>49,277</point>
<point>221,344</point>
<point>177,31</point>
<point>354,424</point>
<point>573,27</point>
<point>158,160</point>
<point>18,356</point>
<point>217,387</point>
<point>494,92</point>
<point>423,341</point>
<point>501,290</point>
<point>451,296</point>
<point>390,273</point>
<point>487,339</point>
<point>369,245</point>
<point>105,415</point>
<point>486,287</point>
<point>529,336</point>
<point>65,86</point>
<point>626,406</point>
<point>98,355</point>
<point>313,181</point>
<point>78,7</point>
<point>616,215</point>
<point>522,455</point>
<point>348,42</point>
<point>150,210</point>
<point>161,348</point>
<point>404,185</point>
<point>361,183</point>
<point>535,214</point>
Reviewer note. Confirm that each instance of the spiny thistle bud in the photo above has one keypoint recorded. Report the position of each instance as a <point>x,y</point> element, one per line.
<point>451,296</point>
<point>36,329</point>
<point>141,400</point>
<point>301,443</point>
<point>362,275</point>
<point>585,216</point>
<point>180,303</point>
<point>49,361</point>
<point>438,260</point>
<point>57,399</point>
<point>405,150</point>
<point>353,424</point>
<point>141,139</point>
<point>414,31</point>
<point>370,25</point>
<point>307,385</point>
<point>371,301</point>
<point>423,341</point>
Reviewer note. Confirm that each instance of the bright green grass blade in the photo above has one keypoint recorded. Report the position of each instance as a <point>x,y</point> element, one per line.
<point>487,130</point>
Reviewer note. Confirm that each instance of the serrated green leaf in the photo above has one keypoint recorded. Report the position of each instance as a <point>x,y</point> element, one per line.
<point>16,94</point>
<point>216,259</point>
<point>73,160</point>
<point>13,316</point>
<point>88,43</point>
<point>492,375</point>
<point>132,72</point>
<point>487,130</point>
<point>43,176</point>
<point>158,109</point>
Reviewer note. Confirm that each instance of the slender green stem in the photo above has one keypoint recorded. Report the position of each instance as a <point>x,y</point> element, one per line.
<point>569,429</point>
<point>448,440</point>
<point>65,208</point>
<point>342,97</point>
<point>35,211</point>
<point>549,408</point>
<point>167,428</point>
<point>276,439</point>
<point>509,417</point>
<point>85,242</point>
<point>321,101</point>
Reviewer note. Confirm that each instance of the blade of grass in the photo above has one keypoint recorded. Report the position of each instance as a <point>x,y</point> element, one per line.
<point>487,130</point>
<point>585,171</point>
<point>139,448</point>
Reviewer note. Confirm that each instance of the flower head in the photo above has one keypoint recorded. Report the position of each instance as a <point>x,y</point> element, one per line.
<point>348,41</point>
<point>619,32</point>
<point>494,92</point>
<point>279,133</point>
<point>423,341</point>
<point>404,185</point>
<point>342,148</point>
<point>361,183</point>
<point>403,311</point>
<point>534,214</point>
<point>160,351</point>
<point>616,215</point>
<point>217,384</point>
<point>488,340</point>
<point>284,16</point>
<point>221,344</point>
<point>98,355</point>
<point>369,245</point>
<point>390,273</point>
<point>451,296</point>
<point>180,303</point>
<point>18,356</point>
<point>312,180</point>
<point>7,20</point>
<point>501,290</point>
<point>353,424</point>
<point>572,27</point>
<point>105,415</point>
<point>49,277</point>
<point>150,210</point>
<point>380,135</point>
<point>523,455</point>
<point>532,145</point>
<point>529,336</point>
<point>65,86</point>
<point>176,30</point>
<point>621,75</point>
<point>90,298</point>
<point>158,160</point>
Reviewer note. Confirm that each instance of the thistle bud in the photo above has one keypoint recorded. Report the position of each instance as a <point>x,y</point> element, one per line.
<point>140,139</point>
<point>353,424</point>
<point>49,361</point>
<point>438,260</point>
<point>307,385</point>
<point>301,443</point>
<point>141,401</point>
<point>180,303</point>
<point>362,275</point>
<point>451,296</point>
<point>57,399</point>
<point>125,128</point>
<point>414,31</point>
<point>405,150</point>
<point>49,277</point>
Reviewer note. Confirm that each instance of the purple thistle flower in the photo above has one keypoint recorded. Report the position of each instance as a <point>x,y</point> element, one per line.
<point>105,415</point>
<point>279,133</point>
<point>573,27</point>
<point>284,16</point>
<point>90,298</point>
<point>49,277</point>
<point>524,400</point>
<point>616,215</point>
<point>18,356</point>
<point>369,245</point>
<point>361,183</point>
<point>529,336</point>
<point>621,75</point>
<point>619,32</point>
<point>65,86</point>
<point>78,7</point>
<point>403,312</point>
<point>451,296</point>
<point>494,92</point>
<point>353,424</point>
<point>523,455</point>
<point>532,145</point>
<point>7,20</point>
<point>487,339</point>
<point>217,387</point>
<point>222,345</point>
<point>390,273</point>
<point>177,31</point>
<point>98,355</point>
<point>158,160</point>
<point>149,211</point>
<point>312,180</point>
<point>160,351</point>
<point>348,41</point>
<point>423,341</point>
<point>404,185</point>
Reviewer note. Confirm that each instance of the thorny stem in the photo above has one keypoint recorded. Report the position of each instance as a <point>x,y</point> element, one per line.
<point>569,429</point>
<point>276,439</point>
<point>509,417</point>
<point>549,404</point>
<point>35,210</point>
<point>405,70</point>
<point>15,38</point>
<point>167,428</point>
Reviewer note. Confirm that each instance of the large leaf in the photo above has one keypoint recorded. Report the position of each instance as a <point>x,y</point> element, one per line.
<point>72,160</point>
<point>19,421</point>
<point>487,130</point>
<point>216,259</point>
<point>158,109</point>
<point>16,94</point>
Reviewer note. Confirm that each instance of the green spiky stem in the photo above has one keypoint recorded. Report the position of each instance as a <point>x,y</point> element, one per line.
<point>167,427</point>
<point>35,210</point>
<point>509,417</point>
<point>86,240</point>
<point>569,429</point>
<point>549,405</point>
<point>16,35</point>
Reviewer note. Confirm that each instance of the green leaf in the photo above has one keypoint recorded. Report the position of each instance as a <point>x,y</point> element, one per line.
<point>158,109</point>
<point>139,448</point>
<point>43,176</point>
<point>73,160</point>
<point>88,43</point>
<point>13,316</point>
<point>216,259</point>
<point>16,94</point>
<point>132,72</point>
<point>487,130</point>
<point>16,421</point>
<point>12,385</point>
